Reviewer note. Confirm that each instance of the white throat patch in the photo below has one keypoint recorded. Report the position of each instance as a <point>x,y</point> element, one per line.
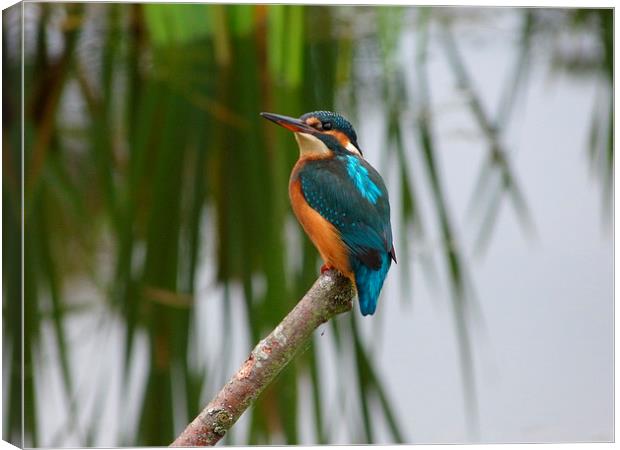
<point>309,145</point>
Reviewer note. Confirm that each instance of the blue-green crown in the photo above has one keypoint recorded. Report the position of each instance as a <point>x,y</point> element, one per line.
<point>336,121</point>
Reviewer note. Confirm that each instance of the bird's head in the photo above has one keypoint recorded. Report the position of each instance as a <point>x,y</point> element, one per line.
<point>320,134</point>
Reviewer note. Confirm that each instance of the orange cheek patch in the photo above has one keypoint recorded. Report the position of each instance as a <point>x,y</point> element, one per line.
<point>342,138</point>
<point>312,121</point>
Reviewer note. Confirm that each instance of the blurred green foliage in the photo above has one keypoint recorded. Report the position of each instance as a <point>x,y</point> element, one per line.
<point>142,126</point>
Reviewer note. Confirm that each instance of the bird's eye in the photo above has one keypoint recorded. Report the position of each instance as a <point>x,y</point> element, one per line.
<point>327,125</point>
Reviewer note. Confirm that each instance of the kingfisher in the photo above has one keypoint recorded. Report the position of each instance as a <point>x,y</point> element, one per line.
<point>341,202</point>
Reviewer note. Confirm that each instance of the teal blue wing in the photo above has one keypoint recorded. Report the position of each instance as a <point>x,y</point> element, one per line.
<point>351,195</point>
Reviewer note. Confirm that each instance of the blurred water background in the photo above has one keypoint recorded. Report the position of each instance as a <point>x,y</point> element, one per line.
<point>159,244</point>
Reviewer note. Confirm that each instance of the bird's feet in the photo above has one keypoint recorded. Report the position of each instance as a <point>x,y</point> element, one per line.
<point>325,267</point>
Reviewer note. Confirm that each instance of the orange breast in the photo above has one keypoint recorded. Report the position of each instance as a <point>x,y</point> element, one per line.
<point>322,233</point>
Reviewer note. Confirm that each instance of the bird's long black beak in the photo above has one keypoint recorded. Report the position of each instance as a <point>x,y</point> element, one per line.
<point>290,123</point>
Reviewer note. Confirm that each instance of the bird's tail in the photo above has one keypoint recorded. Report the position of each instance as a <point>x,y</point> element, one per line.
<point>369,282</point>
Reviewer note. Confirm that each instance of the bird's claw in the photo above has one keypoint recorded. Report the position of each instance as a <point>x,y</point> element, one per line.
<point>325,268</point>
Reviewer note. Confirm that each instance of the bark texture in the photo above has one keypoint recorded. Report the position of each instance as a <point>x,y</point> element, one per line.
<point>330,295</point>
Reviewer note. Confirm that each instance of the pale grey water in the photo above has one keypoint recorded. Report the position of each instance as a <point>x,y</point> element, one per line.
<point>543,362</point>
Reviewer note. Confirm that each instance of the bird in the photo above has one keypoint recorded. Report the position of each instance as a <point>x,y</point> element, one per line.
<point>341,202</point>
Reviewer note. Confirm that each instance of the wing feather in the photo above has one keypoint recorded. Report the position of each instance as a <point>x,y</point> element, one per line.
<point>364,224</point>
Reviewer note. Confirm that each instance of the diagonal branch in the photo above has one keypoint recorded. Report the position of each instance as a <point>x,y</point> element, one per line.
<point>330,295</point>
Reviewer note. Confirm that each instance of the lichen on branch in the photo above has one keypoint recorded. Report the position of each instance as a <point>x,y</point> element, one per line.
<point>330,295</point>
